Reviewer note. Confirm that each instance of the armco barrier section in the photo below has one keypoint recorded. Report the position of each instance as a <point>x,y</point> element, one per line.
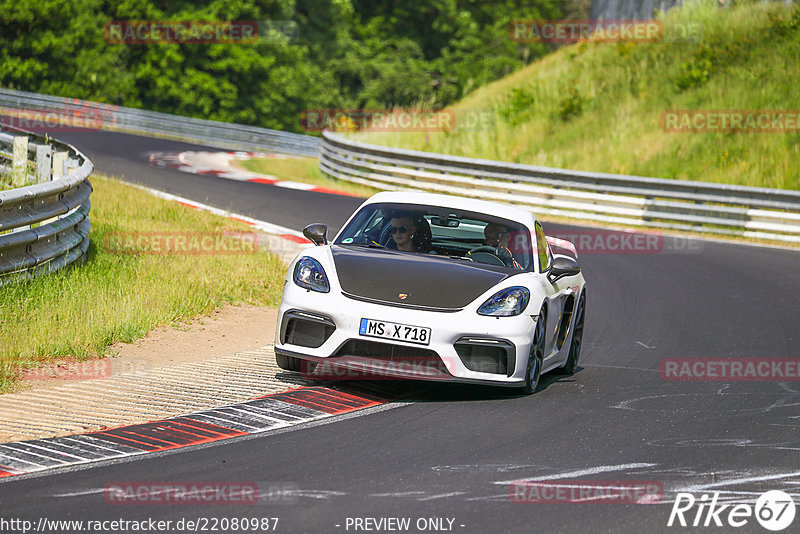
<point>44,226</point>
<point>693,206</point>
<point>751,212</point>
<point>154,124</point>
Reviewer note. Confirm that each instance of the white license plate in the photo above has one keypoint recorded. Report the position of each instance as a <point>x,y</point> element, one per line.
<point>396,331</point>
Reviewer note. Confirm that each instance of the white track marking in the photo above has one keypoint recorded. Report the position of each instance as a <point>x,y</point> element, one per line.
<point>92,491</point>
<point>398,494</point>
<point>579,472</point>
<point>737,481</point>
<point>260,225</point>
<point>441,496</point>
<point>220,164</point>
<point>619,367</point>
<point>294,185</point>
<point>316,494</point>
<point>501,497</point>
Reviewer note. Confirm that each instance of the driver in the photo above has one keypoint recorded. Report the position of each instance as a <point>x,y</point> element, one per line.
<point>496,236</point>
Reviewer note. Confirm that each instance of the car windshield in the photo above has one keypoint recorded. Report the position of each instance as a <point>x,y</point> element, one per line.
<point>446,232</point>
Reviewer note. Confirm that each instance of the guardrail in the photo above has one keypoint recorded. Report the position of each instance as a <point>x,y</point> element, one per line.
<point>752,212</point>
<point>45,226</point>
<point>154,124</point>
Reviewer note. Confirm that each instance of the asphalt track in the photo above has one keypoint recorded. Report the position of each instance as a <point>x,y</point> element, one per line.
<point>450,451</point>
<point>126,156</point>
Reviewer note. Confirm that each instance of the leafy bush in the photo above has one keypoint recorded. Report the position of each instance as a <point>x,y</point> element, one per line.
<point>571,105</point>
<point>696,71</point>
<point>347,54</point>
<point>517,106</point>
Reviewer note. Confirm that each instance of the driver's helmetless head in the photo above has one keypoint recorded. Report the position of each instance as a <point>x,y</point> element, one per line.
<point>402,230</point>
<point>494,233</point>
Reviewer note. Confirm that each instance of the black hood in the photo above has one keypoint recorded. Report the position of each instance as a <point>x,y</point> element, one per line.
<point>425,280</point>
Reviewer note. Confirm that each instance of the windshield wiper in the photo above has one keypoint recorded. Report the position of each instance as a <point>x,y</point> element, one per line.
<point>464,258</point>
<point>373,244</point>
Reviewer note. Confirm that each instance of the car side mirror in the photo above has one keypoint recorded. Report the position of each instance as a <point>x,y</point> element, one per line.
<point>563,266</point>
<point>317,233</point>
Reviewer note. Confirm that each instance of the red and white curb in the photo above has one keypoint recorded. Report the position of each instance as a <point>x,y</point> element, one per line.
<point>220,164</point>
<point>283,241</point>
<point>271,412</point>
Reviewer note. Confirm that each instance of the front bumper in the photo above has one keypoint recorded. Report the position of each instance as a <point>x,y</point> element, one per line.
<point>463,345</point>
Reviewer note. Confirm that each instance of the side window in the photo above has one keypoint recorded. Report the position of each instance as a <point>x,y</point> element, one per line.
<point>542,248</point>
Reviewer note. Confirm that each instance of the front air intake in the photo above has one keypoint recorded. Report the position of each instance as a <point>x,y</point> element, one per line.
<point>385,351</point>
<point>305,329</point>
<point>486,355</point>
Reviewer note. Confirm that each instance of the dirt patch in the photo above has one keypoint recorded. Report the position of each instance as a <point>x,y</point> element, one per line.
<point>228,330</point>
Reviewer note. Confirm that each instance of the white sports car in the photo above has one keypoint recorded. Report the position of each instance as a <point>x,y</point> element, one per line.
<point>433,287</point>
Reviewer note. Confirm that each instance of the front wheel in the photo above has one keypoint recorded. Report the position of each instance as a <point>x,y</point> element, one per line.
<point>536,358</point>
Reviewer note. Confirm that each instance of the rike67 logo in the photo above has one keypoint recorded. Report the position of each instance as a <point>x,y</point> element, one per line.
<point>774,510</point>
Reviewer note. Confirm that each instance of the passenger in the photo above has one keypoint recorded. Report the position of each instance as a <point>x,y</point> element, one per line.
<point>410,233</point>
<point>402,230</point>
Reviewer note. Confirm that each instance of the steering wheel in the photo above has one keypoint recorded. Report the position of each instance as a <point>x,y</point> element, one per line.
<point>486,254</point>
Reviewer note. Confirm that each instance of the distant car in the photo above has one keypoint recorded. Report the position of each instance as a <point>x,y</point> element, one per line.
<point>433,287</point>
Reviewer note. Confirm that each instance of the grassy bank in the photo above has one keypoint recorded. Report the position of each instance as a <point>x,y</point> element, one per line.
<point>598,106</point>
<point>80,311</point>
<point>304,170</point>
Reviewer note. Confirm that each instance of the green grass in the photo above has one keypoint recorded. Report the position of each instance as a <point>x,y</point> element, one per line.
<point>78,312</point>
<point>598,106</point>
<point>14,179</point>
<point>304,170</point>
<point>6,182</point>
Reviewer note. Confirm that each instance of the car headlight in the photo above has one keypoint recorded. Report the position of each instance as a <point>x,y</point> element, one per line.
<point>506,303</point>
<point>309,274</point>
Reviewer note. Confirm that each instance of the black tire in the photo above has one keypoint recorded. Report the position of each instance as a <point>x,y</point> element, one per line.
<point>288,363</point>
<point>533,372</point>
<point>575,344</point>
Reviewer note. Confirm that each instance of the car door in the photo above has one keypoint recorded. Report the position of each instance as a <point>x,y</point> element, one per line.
<point>556,294</point>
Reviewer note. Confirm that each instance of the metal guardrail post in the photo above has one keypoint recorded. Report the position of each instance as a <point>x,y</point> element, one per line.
<point>20,160</point>
<point>60,164</point>
<point>44,154</point>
